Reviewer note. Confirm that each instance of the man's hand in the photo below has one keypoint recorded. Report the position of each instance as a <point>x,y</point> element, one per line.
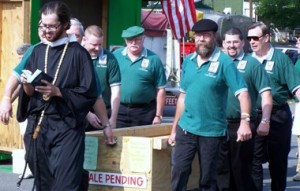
<point>263,129</point>
<point>244,132</point>
<point>109,139</point>
<point>156,120</point>
<point>48,90</point>
<point>171,139</point>
<point>93,120</point>
<point>5,110</point>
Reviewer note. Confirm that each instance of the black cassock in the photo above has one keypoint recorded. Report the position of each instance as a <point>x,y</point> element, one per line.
<point>56,156</point>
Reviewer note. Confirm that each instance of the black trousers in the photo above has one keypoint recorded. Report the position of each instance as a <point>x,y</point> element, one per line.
<point>235,161</point>
<point>275,149</point>
<point>136,115</point>
<point>187,145</point>
<point>56,156</point>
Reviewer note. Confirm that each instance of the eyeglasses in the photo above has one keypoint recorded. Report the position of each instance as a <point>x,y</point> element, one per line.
<point>255,38</point>
<point>50,28</point>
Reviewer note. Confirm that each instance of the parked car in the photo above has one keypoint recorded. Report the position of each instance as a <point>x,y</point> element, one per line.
<point>291,51</point>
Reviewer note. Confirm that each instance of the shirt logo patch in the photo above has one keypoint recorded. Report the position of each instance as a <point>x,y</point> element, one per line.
<point>103,60</point>
<point>242,65</point>
<point>269,66</point>
<point>213,68</point>
<point>145,63</point>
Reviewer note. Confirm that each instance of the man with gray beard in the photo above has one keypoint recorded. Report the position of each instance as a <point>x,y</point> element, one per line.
<point>200,120</point>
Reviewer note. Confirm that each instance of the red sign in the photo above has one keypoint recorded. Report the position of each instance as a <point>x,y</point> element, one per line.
<point>116,179</point>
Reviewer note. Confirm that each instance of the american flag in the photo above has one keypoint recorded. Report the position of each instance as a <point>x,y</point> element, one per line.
<point>181,15</point>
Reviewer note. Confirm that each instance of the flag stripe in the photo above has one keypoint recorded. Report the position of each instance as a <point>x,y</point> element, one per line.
<point>181,15</point>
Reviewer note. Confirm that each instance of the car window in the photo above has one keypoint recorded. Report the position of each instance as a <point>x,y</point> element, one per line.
<point>291,52</point>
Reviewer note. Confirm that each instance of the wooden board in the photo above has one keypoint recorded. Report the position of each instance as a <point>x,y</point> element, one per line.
<point>141,131</point>
<point>143,153</point>
<point>14,30</point>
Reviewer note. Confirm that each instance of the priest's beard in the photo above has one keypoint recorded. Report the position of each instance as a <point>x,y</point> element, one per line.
<point>54,36</point>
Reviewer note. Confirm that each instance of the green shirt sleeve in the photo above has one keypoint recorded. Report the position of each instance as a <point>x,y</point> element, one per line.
<point>17,71</point>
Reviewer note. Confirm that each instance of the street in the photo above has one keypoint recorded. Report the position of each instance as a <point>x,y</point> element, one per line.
<point>8,180</point>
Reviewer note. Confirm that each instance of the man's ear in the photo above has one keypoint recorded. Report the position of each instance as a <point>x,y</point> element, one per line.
<point>268,39</point>
<point>243,43</point>
<point>223,43</point>
<point>83,41</point>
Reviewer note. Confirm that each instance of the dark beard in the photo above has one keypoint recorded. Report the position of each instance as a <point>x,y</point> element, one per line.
<point>58,35</point>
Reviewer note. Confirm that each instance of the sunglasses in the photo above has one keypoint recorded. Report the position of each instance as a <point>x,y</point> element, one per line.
<point>255,38</point>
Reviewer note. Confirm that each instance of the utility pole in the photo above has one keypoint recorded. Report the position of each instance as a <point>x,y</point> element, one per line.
<point>251,8</point>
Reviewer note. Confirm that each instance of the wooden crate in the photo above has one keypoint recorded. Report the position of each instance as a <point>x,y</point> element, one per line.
<point>141,160</point>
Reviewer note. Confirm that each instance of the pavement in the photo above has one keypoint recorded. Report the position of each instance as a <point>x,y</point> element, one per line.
<point>8,179</point>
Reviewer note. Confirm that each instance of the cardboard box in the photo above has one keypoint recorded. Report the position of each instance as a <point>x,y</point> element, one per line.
<point>141,160</point>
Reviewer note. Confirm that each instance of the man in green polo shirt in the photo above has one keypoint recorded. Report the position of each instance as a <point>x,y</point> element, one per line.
<point>284,79</point>
<point>237,175</point>
<point>200,119</point>
<point>296,124</point>
<point>108,72</point>
<point>143,82</point>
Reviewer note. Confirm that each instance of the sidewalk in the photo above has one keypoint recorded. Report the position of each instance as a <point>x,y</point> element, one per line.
<point>8,180</point>
<point>291,185</point>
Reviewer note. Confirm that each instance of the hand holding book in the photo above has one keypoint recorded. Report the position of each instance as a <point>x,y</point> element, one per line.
<point>36,77</point>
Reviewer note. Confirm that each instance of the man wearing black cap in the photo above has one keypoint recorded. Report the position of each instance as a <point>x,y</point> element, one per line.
<point>200,119</point>
<point>143,82</point>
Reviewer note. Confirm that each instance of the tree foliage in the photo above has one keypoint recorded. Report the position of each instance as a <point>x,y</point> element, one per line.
<point>282,13</point>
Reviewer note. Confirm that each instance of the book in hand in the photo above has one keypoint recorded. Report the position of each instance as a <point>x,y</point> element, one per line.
<point>36,77</point>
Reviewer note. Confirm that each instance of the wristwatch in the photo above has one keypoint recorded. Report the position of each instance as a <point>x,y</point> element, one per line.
<point>265,120</point>
<point>159,116</point>
<point>246,118</point>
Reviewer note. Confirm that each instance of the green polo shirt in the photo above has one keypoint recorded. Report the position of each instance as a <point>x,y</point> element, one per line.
<point>206,89</point>
<point>17,71</point>
<point>297,65</point>
<point>257,81</point>
<point>108,73</point>
<point>283,76</point>
<point>140,79</point>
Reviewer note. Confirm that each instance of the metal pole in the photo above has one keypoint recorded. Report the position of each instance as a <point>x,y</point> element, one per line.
<point>251,8</point>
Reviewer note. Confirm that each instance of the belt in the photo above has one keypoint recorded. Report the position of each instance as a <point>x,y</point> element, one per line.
<point>137,105</point>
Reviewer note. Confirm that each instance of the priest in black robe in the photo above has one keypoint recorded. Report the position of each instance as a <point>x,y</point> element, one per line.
<point>56,109</point>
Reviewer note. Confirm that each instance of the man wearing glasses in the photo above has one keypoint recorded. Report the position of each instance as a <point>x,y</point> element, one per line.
<point>76,29</point>
<point>56,110</point>
<point>143,82</point>
<point>75,33</point>
<point>284,79</point>
<point>236,175</point>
